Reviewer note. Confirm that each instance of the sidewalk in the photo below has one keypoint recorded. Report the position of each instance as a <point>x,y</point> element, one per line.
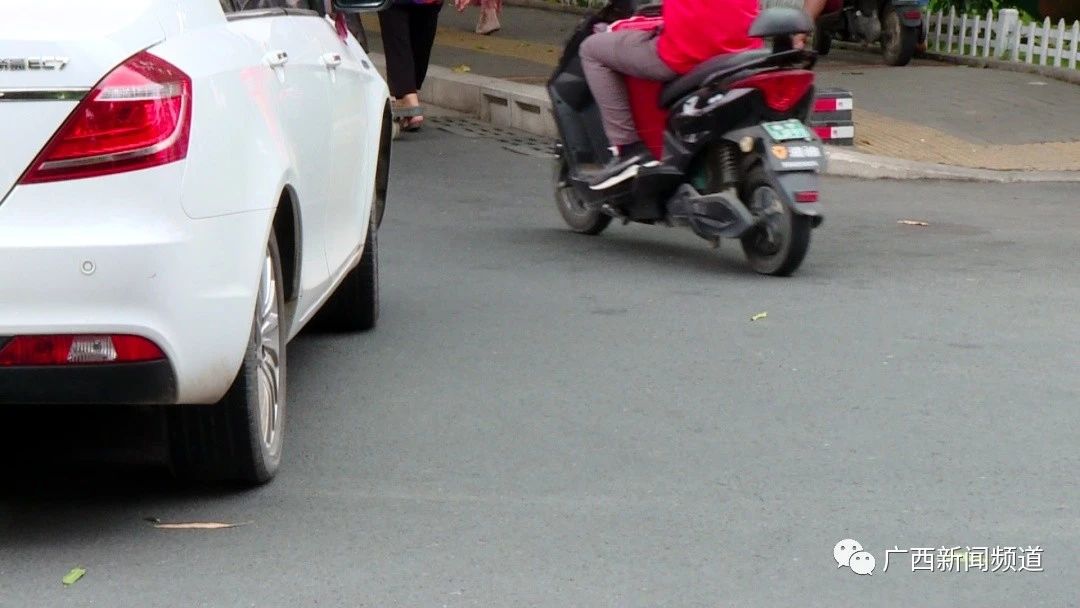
<point>929,112</point>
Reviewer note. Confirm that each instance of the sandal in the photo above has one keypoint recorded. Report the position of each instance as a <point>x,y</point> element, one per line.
<point>488,23</point>
<point>408,119</point>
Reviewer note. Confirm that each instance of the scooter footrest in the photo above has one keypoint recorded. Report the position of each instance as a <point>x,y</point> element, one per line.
<point>651,188</point>
<point>618,195</point>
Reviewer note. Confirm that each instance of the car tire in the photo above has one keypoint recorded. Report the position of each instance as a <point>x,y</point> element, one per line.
<point>355,304</point>
<point>240,438</point>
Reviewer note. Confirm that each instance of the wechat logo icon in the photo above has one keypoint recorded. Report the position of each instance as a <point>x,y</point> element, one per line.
<point>849,553</point>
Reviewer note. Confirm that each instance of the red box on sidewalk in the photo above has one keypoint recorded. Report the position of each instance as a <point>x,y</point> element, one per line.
<point>832,118</point>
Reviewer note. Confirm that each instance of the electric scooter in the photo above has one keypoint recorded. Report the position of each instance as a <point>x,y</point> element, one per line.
<point>737,160</point>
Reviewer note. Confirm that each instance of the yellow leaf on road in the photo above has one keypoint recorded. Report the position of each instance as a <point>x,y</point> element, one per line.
<point>913,223</point>
<point>73,577</point>
<point>759,316</point>
<point>461,69</point>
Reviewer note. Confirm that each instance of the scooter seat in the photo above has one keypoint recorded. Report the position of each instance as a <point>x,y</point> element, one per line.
<point>682,86</point>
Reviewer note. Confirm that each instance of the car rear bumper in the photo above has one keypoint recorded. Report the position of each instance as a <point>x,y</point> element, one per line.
<point>121,384</point>
<point>118,255</point>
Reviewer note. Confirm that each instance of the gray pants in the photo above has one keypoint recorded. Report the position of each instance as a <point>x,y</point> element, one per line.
<point>604,58</point>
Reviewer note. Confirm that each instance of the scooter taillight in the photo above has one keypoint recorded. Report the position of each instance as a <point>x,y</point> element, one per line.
<point>781,90</point>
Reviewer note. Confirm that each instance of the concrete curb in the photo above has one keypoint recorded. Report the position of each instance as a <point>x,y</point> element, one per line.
<point>526,107</point>
<point>849,163</point>
<point>1062,74</point>
<point>503,103</point>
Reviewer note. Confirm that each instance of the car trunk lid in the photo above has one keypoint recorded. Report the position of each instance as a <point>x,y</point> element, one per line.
<point>52,53</point>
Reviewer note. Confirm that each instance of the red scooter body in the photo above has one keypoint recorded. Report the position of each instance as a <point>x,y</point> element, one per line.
<point>649,117</point>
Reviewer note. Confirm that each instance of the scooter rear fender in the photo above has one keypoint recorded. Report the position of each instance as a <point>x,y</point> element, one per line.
<point>904,8</point>
<point>790,176</point>
<point>788,184</point>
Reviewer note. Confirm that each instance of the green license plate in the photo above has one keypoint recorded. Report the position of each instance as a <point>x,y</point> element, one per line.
<point>787,130</point>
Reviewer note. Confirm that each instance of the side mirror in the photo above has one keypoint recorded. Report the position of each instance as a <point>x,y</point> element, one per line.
<point>359,6</point>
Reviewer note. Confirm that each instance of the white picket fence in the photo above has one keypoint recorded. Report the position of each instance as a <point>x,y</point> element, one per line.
<point>1004,37</point>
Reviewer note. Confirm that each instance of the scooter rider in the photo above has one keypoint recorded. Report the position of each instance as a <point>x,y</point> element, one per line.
<point>694,31</point>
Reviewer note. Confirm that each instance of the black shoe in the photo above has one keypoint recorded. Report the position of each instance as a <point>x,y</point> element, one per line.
<point>624,164</point>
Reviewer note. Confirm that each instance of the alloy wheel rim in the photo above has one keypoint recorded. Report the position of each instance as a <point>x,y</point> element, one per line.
<point>268,355</point>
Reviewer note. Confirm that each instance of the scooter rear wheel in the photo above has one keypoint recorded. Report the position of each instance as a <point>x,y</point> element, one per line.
<point>779,244</point>
<point>898,41</point>
<point>579,217</point>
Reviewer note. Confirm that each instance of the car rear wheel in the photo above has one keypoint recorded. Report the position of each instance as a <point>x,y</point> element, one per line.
<point>240,438</point>
<point>355,304</point>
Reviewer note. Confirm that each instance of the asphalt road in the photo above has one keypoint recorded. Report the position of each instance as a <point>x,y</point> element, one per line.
<point>546,419</point>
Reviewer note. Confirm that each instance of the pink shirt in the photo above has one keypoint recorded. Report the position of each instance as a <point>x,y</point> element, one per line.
<point>697,30</point>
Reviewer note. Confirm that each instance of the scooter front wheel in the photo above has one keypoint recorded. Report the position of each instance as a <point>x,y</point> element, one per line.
<point>579,217</point>
<point>778,245</point>
<point>822,39</point>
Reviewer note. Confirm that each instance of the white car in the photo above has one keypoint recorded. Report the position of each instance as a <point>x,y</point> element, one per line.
<point>184,184</point>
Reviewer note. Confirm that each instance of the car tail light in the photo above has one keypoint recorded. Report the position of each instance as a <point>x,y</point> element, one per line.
<point>781,90</point>
<point>914,14</point>
<point>809,196</point>
<point>76,350</point>
<point>138,116</point>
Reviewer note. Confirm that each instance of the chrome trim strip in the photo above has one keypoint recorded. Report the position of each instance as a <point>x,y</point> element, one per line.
<point>259,13</point>
<point>43,94</point>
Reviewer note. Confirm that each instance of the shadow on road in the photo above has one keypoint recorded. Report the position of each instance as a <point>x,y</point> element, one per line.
<point>88,471</point>
<point>689,255</point>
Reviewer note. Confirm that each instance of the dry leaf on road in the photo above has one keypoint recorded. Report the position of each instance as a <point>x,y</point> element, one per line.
<point>913,223</point>
<point>461,69</point>
<point>759,316</point>
<point>199,525</point>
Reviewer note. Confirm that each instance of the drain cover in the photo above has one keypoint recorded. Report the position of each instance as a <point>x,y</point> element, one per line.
<point>511,139</point>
